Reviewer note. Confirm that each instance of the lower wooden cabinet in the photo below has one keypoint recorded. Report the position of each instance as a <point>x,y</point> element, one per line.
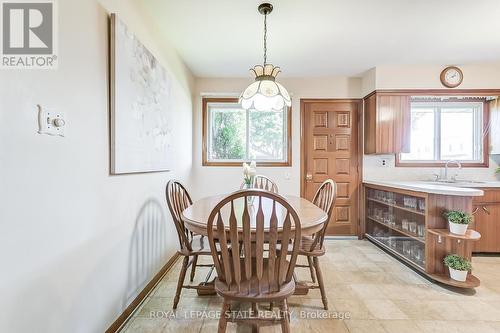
<point>486,212</point>
<point>410,226</point>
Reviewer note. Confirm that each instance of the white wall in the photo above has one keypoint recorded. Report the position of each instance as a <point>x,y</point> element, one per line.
<point>72,238</point>
<point>211,180</point>
<point>476,76</point>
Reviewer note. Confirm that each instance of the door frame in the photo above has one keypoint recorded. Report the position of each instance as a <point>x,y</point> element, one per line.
<point>360,138</point>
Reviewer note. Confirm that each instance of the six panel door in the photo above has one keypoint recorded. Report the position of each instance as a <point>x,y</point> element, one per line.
<point>330,135</point>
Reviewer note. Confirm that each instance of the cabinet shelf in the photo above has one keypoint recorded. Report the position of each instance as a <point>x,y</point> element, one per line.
<point>396,253</point>
<point>397,207</point>
<point>403,232</point>
<point>471,235</point>
<point>470,282</point>
<point>385,214</point>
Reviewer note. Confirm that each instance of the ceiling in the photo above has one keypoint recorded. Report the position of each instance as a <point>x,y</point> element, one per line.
<point>223,38</point>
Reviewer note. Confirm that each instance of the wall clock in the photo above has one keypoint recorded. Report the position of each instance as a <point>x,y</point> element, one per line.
<point>451,77</point>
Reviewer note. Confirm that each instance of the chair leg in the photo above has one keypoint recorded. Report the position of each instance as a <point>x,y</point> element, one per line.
<point>311,269</point>
<point>255,327</point>
<point>321,283</point>
<point>285,318</point>
<point>193,267</point>
<point>180,282</point>
<point>223,317</point>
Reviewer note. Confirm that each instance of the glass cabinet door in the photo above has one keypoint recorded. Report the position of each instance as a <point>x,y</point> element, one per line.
<point>397,221</point>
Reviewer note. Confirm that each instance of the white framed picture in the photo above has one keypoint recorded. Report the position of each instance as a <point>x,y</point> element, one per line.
<point>140,105</point>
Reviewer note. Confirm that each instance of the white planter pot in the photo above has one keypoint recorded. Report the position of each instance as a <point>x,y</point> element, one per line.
<point>458,229</point>
<point>458,275</point>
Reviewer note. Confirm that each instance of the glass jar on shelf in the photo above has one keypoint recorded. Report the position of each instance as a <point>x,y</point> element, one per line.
<point>421,230</point>
<point>421,205</point>
<point>407,248</point>
<point>404,224</point>
<point>412,227</point>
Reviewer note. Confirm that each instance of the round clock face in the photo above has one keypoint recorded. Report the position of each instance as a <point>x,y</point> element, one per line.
<point>451,77</point>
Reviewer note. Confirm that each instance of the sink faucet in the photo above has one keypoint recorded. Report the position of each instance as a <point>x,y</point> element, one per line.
<point>457,163</point>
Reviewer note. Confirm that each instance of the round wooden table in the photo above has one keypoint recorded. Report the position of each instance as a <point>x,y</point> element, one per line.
<point>195,217</point>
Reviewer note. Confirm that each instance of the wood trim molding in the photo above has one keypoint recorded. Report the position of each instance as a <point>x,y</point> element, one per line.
<point>204,136</point>
<point>129,310</point>
<point>486,148</point>
<point>437,92</point>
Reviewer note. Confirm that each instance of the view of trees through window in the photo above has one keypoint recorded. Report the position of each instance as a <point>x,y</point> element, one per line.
<point>237,134</point>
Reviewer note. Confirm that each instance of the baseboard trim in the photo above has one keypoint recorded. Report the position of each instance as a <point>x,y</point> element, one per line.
<point>124,317</point>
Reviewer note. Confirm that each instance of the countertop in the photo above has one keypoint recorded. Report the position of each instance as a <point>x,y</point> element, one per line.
<point>476,184</point>
<point>434,188</point>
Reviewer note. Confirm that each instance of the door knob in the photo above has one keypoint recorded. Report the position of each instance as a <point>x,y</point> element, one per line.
<point>309,176</point>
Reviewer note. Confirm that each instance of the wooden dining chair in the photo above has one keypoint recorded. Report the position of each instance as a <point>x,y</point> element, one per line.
<point>191,246</point>
<point>312,246</point>
<point>264,183</point>
<point>251,274</point>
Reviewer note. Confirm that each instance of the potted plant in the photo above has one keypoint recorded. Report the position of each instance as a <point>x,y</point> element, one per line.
<point>458,221</point>
<point>459,267</point>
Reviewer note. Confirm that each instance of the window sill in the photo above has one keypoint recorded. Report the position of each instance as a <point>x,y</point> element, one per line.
<point>239,164</point>
<point>440,165</point>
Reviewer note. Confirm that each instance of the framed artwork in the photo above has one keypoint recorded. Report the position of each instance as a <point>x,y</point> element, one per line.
<point>140,105</point>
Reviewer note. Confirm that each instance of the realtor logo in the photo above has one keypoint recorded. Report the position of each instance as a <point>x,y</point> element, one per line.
<point>28,34</point>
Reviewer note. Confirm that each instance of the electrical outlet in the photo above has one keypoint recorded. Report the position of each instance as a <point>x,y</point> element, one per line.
<point>384,162</point>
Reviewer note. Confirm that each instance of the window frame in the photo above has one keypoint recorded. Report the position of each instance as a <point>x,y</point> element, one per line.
<point>472,164</point>
<point>205,137</point>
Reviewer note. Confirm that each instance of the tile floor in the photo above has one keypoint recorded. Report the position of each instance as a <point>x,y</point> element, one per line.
<point>376,292</point>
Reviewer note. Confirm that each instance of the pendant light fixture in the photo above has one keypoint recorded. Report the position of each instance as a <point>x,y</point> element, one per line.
<point>265,94</point>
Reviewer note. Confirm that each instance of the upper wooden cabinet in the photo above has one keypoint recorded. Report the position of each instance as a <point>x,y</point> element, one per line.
<point>387,123</point>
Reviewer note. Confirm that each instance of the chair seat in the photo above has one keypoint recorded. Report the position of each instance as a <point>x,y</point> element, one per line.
<point>249,289</point>
<point>199,245</point>
<point>305,247</point>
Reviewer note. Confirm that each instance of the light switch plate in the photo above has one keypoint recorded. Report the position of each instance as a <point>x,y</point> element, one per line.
<point>51,121</point>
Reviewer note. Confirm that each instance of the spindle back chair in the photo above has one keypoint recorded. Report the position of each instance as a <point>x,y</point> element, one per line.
<point>246,272</point>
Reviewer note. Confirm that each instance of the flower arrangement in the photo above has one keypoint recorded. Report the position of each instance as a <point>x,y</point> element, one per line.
<point>249,172</point>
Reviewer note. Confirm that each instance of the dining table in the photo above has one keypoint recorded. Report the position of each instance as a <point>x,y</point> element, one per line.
<point>196,216</point>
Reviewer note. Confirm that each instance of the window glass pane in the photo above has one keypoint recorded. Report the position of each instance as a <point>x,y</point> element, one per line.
<point>227,133</point>
<point>266,137</point>
<point>422,135</point>
<point>457,134</point>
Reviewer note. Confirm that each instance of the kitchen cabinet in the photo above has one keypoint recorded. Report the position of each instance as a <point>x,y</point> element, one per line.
<point>387,123</point>
<point>486,213</point>
<point>494,107</point>
<point>410,226</point>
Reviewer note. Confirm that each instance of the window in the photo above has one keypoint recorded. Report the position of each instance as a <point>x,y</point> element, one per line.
<point>446,130</point>
<point>232,135</point>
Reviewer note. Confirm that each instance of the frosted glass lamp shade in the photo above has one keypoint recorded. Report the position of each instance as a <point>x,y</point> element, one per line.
<point>265,94</point>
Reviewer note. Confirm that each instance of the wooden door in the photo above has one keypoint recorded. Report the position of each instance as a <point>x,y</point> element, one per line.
<point>486,219</point>
<point>330,150</point>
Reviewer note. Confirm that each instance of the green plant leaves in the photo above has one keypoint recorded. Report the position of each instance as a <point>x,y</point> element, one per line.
<point>457,262</point>
<point>457,216</point>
